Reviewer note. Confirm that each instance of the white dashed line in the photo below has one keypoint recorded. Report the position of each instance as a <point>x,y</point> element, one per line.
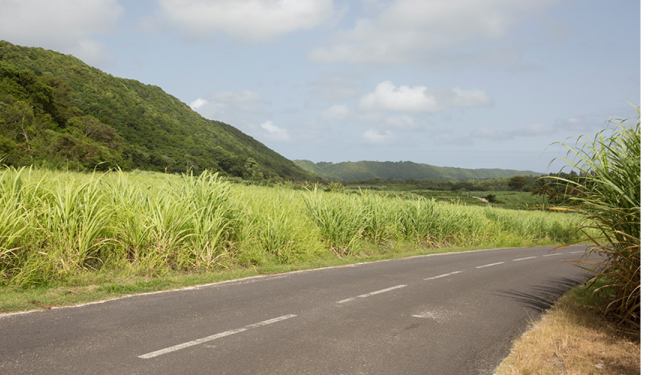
<point>516,260</point>
<point>213,337</point>
<point>552,255</point>
<point>577,252</point>
<point>372,293</point>
<point>490,265</point>
<point>444,275</point>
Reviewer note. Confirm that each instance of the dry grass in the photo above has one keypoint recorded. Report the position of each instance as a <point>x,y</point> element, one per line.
<point>573,338</point>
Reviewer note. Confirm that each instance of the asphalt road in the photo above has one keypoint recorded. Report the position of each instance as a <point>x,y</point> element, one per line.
<point>441,314</point>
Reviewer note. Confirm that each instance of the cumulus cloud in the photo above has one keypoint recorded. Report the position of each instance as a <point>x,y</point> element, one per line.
<point>388,97</point>
<point>275,133</point>
<point>247,20</point>
<point>335,112</point>
<point>62,25</point>
<point>198,103</point>
<point>376,137</point>
<point>422,30</point>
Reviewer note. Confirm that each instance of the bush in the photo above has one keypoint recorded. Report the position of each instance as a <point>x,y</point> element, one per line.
<point>607,192</point>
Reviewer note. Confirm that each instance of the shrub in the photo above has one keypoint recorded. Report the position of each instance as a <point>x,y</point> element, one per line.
<point>608,195</point>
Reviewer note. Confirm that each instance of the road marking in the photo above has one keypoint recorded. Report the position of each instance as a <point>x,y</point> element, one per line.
<point>213,337</point>
<point>552,255</point>
<point>444,275</point>
<point>577,252</point>
<point>515,260</point>
<point>489,265</point>
<point>372,293</point>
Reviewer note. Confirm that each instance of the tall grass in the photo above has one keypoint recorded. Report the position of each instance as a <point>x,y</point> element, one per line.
<point>55,226</point>
<point>608,195</point>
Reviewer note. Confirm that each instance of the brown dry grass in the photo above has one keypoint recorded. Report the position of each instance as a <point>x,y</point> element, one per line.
<point>573,338</point>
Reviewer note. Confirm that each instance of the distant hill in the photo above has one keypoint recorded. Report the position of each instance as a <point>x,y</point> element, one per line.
<point>56,111</point>
<point>365,170</point>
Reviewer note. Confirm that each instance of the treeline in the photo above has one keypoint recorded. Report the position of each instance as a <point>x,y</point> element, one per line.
<point>401,170</point>
<point>517,183</point>
<point>57,112</point>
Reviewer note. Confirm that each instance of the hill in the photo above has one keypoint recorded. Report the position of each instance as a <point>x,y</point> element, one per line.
<point>57,111</point>
<point>365,170</point>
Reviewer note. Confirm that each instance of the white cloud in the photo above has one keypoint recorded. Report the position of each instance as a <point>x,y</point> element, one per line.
<point>388,97</point>
<point>375,137</point>
<point>248,20</point>
<point>402,123</point>
<point>198,103</point>
<point>422,30</point>
<point>62,25</point>
<point>275,133</point>
<point>335,112</point>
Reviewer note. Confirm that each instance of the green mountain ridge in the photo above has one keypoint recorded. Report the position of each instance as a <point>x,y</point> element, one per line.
<point>59,112</point>
<point>366,170</point>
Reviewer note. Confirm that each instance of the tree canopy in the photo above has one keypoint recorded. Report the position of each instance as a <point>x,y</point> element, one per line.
<point>58,112</point>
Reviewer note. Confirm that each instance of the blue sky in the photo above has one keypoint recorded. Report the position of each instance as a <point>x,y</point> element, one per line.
<point>461,83</point>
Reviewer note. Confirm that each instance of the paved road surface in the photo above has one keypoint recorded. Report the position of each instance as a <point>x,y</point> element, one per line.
<point>442,314</point>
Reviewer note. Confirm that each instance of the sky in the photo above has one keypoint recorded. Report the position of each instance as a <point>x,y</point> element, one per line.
<point>459,83</point>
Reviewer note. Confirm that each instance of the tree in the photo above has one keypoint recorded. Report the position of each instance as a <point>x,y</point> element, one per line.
<point>19,122</point>
<point>517,182</point>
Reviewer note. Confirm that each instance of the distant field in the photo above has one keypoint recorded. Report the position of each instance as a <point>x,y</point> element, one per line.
<point>503,199</point>
<point>55,226</point>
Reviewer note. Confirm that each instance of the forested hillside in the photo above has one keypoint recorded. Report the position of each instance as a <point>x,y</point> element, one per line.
<point>58,112</point>
<point>365,170</point>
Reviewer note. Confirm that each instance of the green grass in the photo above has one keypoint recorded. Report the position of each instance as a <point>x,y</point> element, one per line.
<point>57,228</point>
<point>607,194</point>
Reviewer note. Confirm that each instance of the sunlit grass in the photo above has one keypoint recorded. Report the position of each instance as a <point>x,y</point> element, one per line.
<point>55,226</point>
<point>607,194</point>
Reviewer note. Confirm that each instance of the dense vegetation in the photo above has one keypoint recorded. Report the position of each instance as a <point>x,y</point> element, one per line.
<point>366,170</point>
<point>54,225</point>
<point>489,184</point>
<point>58,112</point>
<point>607,192</point>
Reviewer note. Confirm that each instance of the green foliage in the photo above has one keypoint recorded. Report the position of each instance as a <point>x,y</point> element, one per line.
<point>607,193</point>
<point>402,170</point>
<point>57,226</point>
<point>517,182</point>
<point>57,112</point>
<point>491,198</point>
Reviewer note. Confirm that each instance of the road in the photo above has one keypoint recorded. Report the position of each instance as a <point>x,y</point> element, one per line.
<point>441,314</point>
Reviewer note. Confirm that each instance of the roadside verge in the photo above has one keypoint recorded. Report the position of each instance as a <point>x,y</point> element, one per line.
<point>574,338</point>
